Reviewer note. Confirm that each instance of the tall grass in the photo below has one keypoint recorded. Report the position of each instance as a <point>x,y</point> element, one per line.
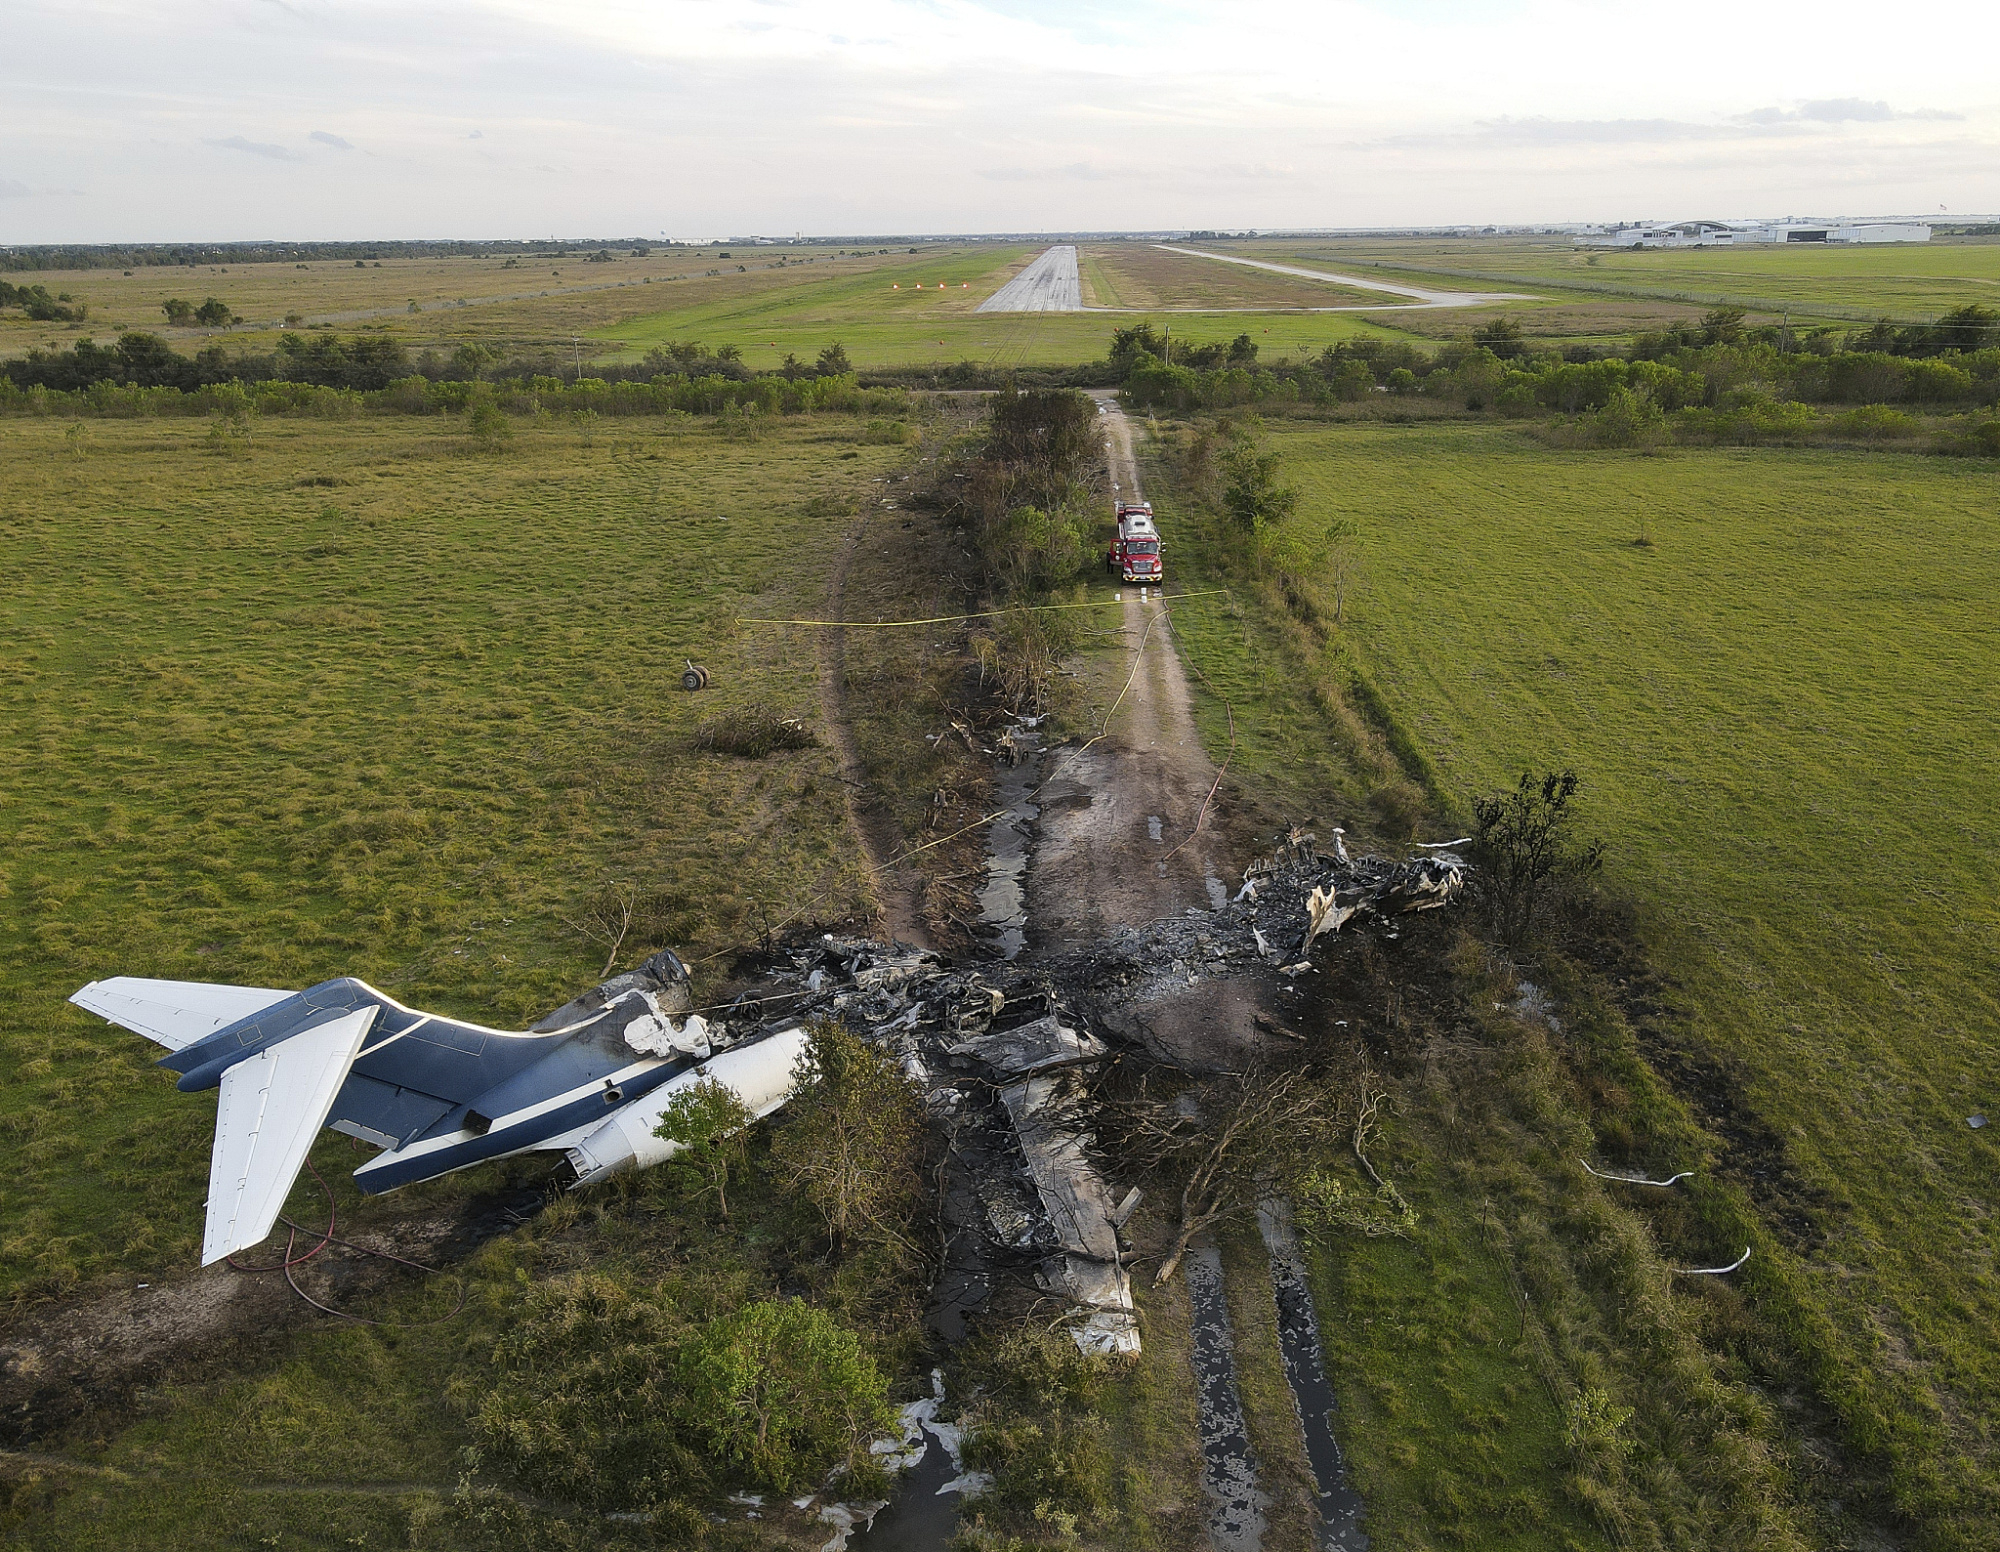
<point>1782,704</point>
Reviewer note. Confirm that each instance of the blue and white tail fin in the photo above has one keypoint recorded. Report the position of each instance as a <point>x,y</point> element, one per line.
<point>173,1013</point>
<point>272,1105</point>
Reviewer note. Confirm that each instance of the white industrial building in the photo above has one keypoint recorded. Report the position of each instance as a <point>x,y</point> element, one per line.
<point>1727,234</point>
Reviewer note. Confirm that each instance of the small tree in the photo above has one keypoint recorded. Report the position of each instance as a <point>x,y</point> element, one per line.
<point>1503,337</point>
<point>1132,345</point>
<point>1528,854</point>
<point>471,359</point>
<point>179,313</point>
<point>1219,1152</point>
<point>852,1142</point>
<point>487,424</point>
<point>213,314</point>
<point>1722,326</point>
<point>709,1123</point>
<point>1627,419</point>
<point>1252,493</point>
<point>833,361</point>
<point>1343,563</point>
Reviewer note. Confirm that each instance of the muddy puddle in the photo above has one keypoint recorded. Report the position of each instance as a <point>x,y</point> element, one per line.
<point>1003,902</point>
<point>922,1513</point>
<point>1305,1371</point>
<point>1228,1470</point>
<point>921,1517</point>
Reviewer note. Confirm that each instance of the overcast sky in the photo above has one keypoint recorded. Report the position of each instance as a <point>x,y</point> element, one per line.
<point>699,118</point>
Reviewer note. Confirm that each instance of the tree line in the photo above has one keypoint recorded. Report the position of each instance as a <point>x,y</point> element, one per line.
<point>50,256</point>
<point>1955,360</point>
<point>371,362</point>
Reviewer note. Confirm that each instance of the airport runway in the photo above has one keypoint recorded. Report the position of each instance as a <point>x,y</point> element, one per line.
<point>1049,285</point>
<point>1417,294</point>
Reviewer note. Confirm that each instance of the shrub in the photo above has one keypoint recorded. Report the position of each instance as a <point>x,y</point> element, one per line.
<point>488,425</point>
<point>584,1407</point>
<point>1038,1434</point>
<point>610,1397</point>
<point>782,1390</point>
<point>1627,419</point>
<point>1934,382</point>
<point>1980,440</point>
<point>1874,423</point>
<point>1530,863</point>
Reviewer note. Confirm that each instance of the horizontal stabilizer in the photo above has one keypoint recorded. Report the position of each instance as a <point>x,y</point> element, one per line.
<point>173,1013</point>
<point>271,1107</point>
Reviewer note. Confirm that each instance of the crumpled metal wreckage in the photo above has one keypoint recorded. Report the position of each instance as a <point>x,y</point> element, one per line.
<point>999,1056</point>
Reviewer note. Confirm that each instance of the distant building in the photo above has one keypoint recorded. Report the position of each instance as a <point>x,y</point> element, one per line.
<point>1840,232</point>
<point>1722,234</point>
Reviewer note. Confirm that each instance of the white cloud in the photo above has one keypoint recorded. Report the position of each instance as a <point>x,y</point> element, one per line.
<point>852,116</point>
<point>1843,110</point>
<point>276,153</point>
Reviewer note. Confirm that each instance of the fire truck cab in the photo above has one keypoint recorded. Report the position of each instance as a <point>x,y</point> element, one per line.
<point>1134,555</point>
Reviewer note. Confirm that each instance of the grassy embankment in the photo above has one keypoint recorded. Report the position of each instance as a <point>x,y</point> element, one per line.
<point>1781,706</point>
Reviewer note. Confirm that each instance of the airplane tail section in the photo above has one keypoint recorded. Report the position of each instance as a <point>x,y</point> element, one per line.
<point>174,1014</point>
<point>271,1107</point>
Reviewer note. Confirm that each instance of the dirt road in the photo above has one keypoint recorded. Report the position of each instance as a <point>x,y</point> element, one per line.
<point>1116,814</point>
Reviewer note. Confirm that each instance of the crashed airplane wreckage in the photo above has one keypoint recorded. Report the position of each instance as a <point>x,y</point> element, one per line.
<point>434,1094</point>
<point>999,1055</point>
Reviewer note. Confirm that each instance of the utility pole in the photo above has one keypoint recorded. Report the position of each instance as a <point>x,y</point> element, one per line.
<point>576,343</point>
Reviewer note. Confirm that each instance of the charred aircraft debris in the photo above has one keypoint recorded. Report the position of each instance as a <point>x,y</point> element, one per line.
<point>1002,1055</point>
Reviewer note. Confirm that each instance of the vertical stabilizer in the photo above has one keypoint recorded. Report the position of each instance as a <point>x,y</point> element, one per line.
<point>271,1107</point>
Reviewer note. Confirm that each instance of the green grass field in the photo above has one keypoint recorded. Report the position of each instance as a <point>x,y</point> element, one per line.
<point>883,319</point>
<point>1905,281</point>
<point>1784,709</point>
<point>367,701</point>
<point>548,303</point>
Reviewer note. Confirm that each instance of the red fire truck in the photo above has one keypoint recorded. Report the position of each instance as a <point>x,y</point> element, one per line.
<point>1134,555</point>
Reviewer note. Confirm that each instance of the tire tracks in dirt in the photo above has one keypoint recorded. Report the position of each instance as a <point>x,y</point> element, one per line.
<point>897,889</point>
<point>1118,841</point>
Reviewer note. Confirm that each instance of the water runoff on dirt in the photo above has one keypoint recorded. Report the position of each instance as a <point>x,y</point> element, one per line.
<point>1003,902</point>
<point>1236,1504</point>
<point>1305,1371</point>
